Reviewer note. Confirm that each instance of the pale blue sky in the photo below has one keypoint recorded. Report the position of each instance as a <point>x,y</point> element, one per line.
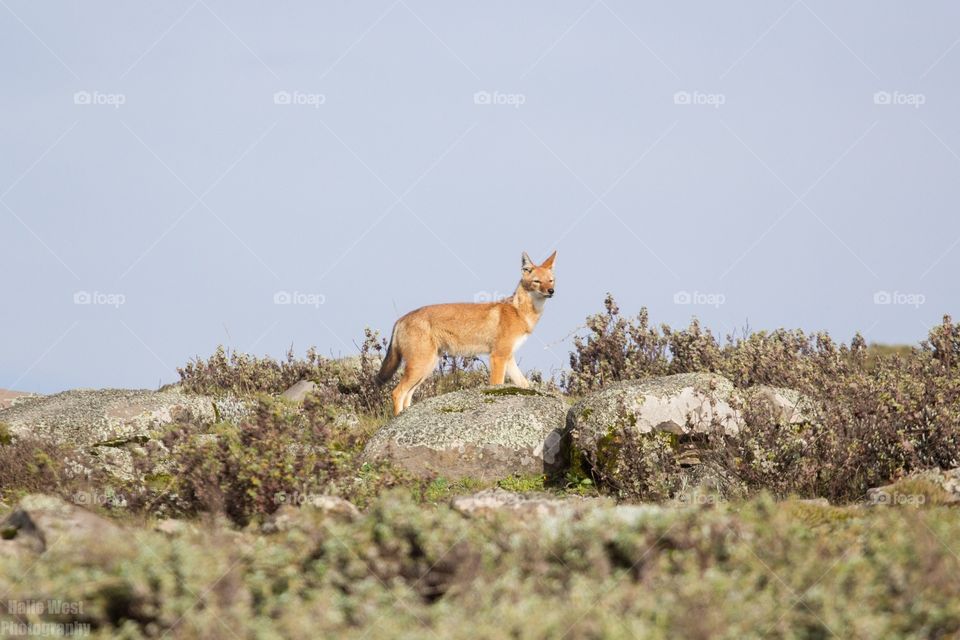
<point>184,162</point>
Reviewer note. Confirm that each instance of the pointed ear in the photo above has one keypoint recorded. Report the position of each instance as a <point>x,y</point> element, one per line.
<point>548,263</point>
<point>525,262</point>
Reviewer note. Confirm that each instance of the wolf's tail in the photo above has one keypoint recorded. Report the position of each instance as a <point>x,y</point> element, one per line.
<point>392,360</point>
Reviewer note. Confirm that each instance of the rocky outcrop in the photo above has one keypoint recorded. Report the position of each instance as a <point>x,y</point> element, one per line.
<point>683,408</point>
<point>106,423</point>
<point>679,404</point>
<point>486,433</point>
<point>9,398</point>
<point>685,404</point>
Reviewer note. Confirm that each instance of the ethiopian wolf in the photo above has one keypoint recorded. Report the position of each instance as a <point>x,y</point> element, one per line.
<point>496,329</point>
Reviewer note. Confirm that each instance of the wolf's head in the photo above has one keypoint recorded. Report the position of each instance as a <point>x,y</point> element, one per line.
<point>538,280</point>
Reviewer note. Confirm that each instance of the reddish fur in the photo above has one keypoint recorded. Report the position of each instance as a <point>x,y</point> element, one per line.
<point>493,328</point>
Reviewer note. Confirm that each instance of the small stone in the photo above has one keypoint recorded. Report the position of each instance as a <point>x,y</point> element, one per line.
<point>299,391</point>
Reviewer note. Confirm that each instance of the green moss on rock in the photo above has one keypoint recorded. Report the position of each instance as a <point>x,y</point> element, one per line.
<point>510,391</point>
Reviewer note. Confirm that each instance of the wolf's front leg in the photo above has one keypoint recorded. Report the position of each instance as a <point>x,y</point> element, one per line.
<point>516,376</point>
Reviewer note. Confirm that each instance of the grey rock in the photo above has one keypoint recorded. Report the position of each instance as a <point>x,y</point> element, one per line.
<point>40,521</point>
<point>107,424</point>
<point>685,406</point>
<point>680,404</point>
<point>308,513</point>
<point>299,391</point>
<point>493,502</point>
<point>901,493</point>
<point>486,433</point>
<point>105,417</point>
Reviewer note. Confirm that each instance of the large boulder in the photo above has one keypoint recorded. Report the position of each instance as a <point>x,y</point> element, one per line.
<point>685,403</point>
<point>486,433</point>
<point>681,404</point>
<point>106,423</point>
<point>683,408</point>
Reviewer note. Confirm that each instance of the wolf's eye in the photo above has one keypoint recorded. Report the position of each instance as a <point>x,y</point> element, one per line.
<point>536,282</point>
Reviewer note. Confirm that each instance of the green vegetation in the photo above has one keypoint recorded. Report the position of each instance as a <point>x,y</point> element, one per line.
<point>755,569</point>
<point>731,547</point>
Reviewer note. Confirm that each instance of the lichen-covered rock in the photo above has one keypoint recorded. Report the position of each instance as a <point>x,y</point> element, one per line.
<point>487,433</point>
<point>104,416</point>
<point>493,502</point>
<point>679,410</point>
<point>680,404</point>
<point>107,423</point>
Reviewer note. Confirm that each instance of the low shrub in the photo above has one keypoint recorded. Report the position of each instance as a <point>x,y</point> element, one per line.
<point>247,470</point>
<point>32,465</point>
<point>244,374</point>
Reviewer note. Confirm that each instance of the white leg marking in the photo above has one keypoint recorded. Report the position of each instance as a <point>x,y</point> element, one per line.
<point>516,375</point>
